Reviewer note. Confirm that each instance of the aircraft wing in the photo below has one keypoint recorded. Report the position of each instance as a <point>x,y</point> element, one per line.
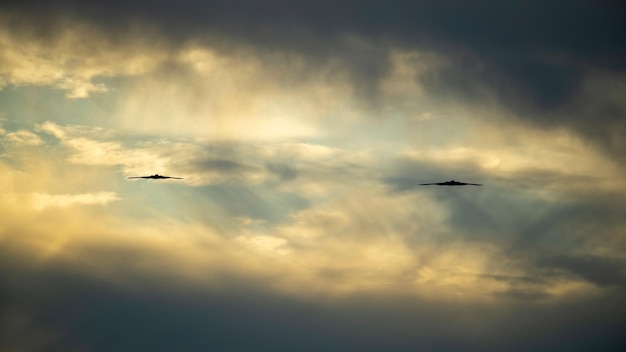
<point>156,177</point>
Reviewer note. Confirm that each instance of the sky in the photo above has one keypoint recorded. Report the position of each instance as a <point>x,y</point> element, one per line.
<point>302,131</point>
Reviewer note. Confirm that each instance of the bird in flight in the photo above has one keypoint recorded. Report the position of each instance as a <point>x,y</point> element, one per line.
<point>450,183</point>
<point>156,177</point>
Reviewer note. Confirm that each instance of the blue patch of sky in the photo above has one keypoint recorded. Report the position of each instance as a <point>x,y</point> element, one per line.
<point>24,106</point>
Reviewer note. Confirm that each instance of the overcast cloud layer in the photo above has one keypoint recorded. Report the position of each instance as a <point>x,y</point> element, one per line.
<point>303,131</point>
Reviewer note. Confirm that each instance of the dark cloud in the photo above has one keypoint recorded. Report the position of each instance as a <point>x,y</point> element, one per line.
<point>599,113</point>
<point>601,271</point>
<point>571,224</point>
<point>523,288</point>
<point>533,56</point>
<point>83,313</point>
<point>519,81</point>
<point>284,171</point>
<point>504,32</point>
<point>534,48</point>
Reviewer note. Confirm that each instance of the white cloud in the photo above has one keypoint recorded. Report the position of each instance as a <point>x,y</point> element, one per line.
<point>244,95</point>
<point>23,137</point>
<point>264,244</point>
<point>96,146</point>
<point>42,201</point>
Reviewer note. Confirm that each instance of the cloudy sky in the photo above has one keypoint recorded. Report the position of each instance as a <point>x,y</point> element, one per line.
<point>302,130</point>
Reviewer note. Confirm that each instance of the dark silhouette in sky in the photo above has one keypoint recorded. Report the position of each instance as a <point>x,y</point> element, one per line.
<point>450,183</point>
<point>156,177</point>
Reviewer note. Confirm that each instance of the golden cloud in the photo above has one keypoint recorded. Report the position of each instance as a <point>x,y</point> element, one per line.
<point>72,56</point>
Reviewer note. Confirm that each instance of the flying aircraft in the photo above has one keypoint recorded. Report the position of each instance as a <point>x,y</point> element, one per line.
<point>156,177</point>
<point>450,183</point>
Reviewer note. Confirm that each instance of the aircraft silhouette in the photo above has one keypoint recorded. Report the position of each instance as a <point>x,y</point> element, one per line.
<point>450,183</point>
<point>156,177</point>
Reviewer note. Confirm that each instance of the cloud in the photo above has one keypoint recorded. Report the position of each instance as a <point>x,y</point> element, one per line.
<point>491,41</point>
<point>318,205</point>
<point>494,146</point>
<point>302,132</point>
<point>72,56</point>
<point>220,80</point>
<point>81,303</point>
<point>345,239</point>
<point>599,270</point>
<point>21,332</point>
<point>368,259</point>
<point>202,163</point>
<point>42,201</point>
<point>98,146</point>
<point>235,96</point>
<point>23,138</point>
